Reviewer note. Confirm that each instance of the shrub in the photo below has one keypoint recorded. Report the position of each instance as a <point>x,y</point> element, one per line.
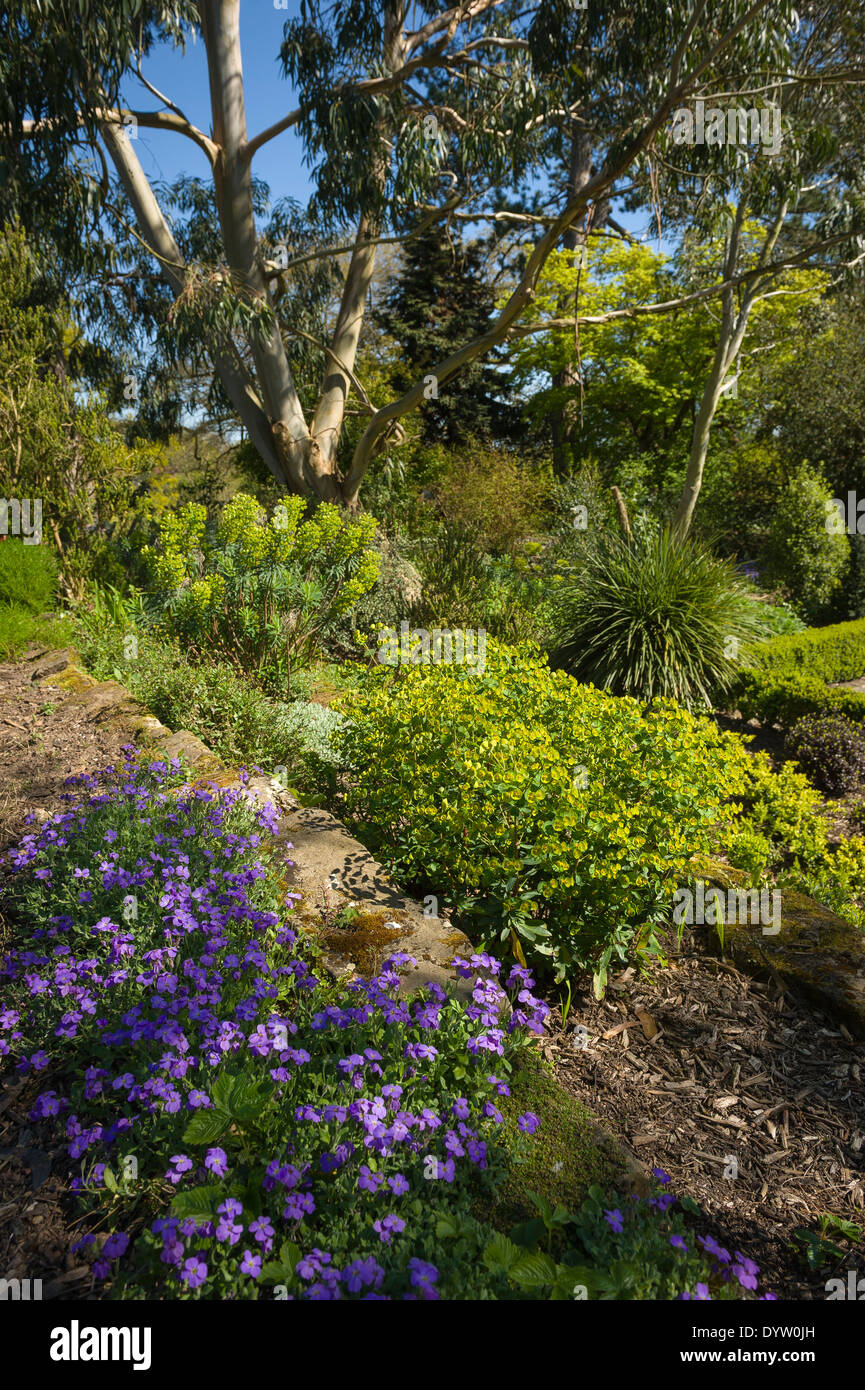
<point>781,827</point>
<point>780,620</point>
<point>69,454</point>
<point>555,816</point>
<point>835,653</point>
<point>656,618</point>
<point>802,553</point>
<point>786,698</point>
<point>495,497</point>
<point>831,751</point>
<point>211,699</point>
<point>778,820</point>
<point>262,592</point>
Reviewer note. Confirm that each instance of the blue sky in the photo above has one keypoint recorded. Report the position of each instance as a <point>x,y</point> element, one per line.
<point>183,78</point>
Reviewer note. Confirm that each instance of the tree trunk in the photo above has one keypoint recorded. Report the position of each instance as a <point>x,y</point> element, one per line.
<point>734,325</point>
<point>220,25</point>
<point>565,419</point>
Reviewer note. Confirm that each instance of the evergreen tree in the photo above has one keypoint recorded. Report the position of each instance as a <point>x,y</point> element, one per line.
<point>441,298</point>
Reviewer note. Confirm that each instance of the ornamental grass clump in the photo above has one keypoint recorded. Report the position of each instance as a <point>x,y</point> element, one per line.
<point>655,618</point>
<point>557,818</point>
<point>240,1128</point>
<point>262,591</point>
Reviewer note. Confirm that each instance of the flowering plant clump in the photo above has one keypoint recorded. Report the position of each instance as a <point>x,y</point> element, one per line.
<point>256,1131</point>
<point>261,590</point>
<point>618,1247</point>
<point>559,816</point>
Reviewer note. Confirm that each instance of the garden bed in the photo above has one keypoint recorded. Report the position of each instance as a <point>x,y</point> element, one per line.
<point>735,1066</point>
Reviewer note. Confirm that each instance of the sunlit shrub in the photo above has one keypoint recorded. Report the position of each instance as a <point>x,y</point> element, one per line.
<point>262,591</point>
<point>560,819</point>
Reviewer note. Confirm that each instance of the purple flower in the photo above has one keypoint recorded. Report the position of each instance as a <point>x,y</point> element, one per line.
<point>678,1243</point>
<point>194,1272</point>
<point>661,1175</point>
<point>528,1123</point>
<point>115,1246</point>
<point>616,1220</point>
<point>250,1264</point>
<point>423,1276</point>
<point>182,1165</point>
<point>388,1227</point>
<point>216,1162</point>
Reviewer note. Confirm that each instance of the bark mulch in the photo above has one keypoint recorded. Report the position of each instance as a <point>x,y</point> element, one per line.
<point>703,1064</point>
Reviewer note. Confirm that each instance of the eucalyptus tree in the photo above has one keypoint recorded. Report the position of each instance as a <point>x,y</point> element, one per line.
<point>409,115</point>
<point>778,177</point>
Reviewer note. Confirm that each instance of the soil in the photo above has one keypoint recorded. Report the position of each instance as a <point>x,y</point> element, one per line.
<point>737,1068</point>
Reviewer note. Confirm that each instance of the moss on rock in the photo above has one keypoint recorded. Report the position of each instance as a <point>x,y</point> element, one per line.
<point>566,1155</point>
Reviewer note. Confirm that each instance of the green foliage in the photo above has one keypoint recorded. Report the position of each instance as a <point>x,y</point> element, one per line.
<point>835,653</point>
<point>785,679</point>
<point>19,628</point>
<point>815,1247</point>
<point>654,619</point>
<point>71,456</point>
<point>803,554</point>
<point>556,817</point>
<point>617,1247</point>
<point>777,822</point>
<point>641,374</point>
<point>442,297</point>
<point>210,699</point>
<point>490,493</point>
<point>826,424</point>
<point>262,591</point>
<point>28,575</point>
<point>780,620</point>
<point>785,699</point>
<point>781,828</point>
<point>831,751</point>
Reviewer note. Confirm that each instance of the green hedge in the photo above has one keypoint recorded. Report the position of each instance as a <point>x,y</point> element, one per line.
<point>835,653</point>
<point>782,699</point>
<point>786,678</point>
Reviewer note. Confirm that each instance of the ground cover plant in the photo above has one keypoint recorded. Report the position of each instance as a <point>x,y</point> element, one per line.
<point>242,1129</point>
<point>28,590</point>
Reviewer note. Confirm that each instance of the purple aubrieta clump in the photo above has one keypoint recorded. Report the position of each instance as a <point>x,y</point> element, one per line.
<point>173,971</point>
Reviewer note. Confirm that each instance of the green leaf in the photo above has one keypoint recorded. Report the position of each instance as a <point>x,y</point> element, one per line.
<point>533,1271</point>
<point>501,1253</point>
<point>206,1126</point>
<point>200,1202</point>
